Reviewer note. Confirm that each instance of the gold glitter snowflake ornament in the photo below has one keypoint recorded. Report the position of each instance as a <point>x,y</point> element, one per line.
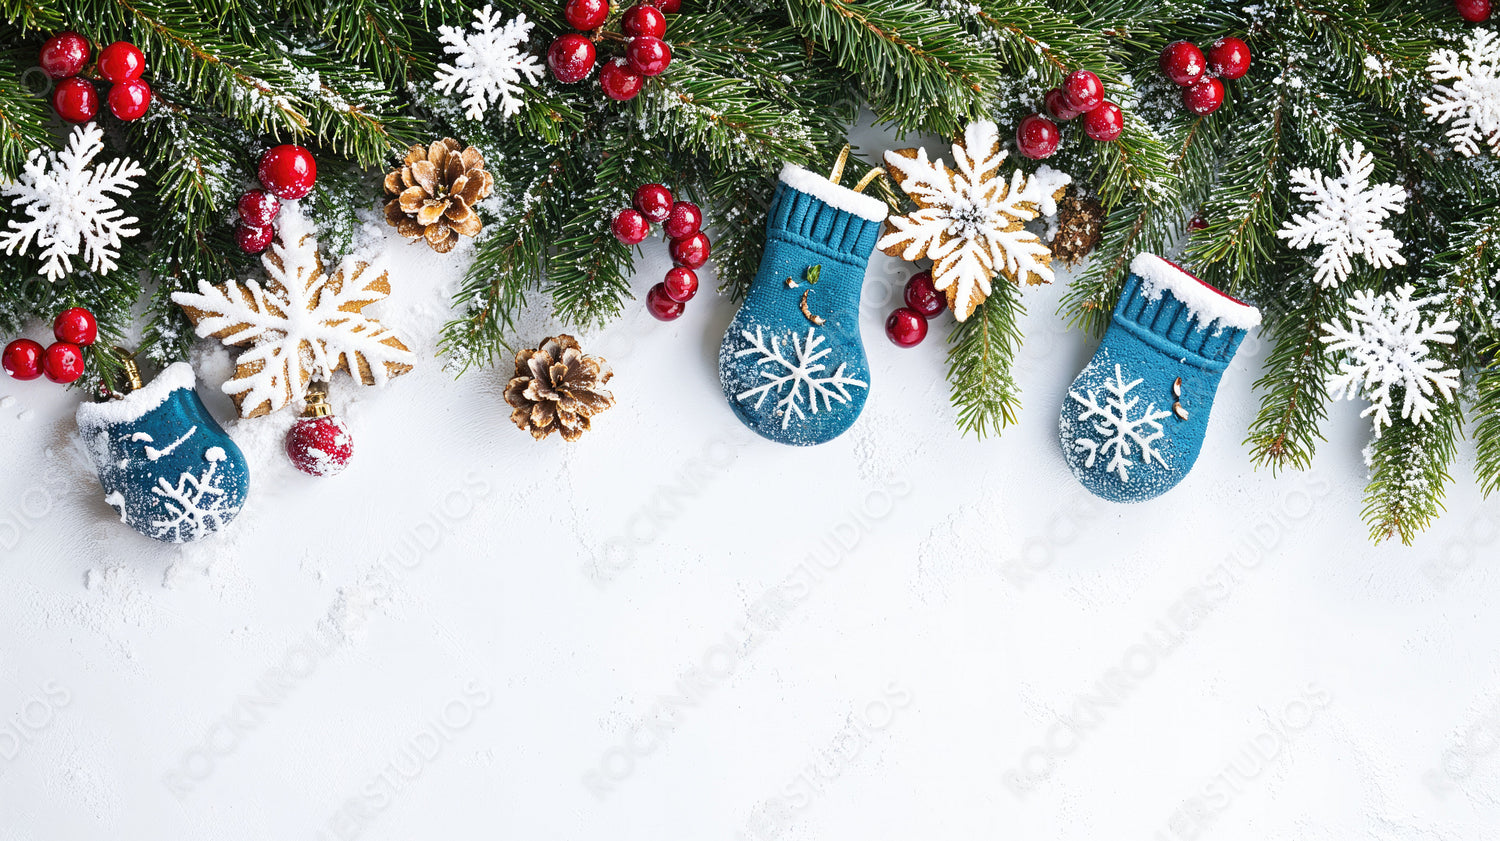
<point>971,219</point>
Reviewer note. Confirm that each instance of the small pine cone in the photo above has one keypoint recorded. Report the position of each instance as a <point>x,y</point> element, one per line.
<point>557,389</point>
<point>1080,228</point>
<point>435,191</point>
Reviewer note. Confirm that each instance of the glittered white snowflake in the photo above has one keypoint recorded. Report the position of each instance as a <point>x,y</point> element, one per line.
<point>1471,100</point>
<point>1388,346</point>
<point>971,220</point>
<point>795,382</point>
<point>70,207</point>
<point>1346,217</point>
<point>1120,434</point>
<point>490,63</point>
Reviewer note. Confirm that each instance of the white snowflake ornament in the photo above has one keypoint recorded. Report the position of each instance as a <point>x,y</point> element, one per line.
<point>70,206</point>
<point>490,64</point>
<point>1470,102</point>
<point>971,220</point>
<point>1346,217</point>
<point>1123,439</point>
<point>799,380</point>
<point>304,323</point>
<point>1388,346</point>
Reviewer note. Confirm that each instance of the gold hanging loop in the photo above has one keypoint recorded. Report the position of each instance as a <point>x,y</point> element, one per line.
<point>869,179</point>
<point>133,379</point>
<point>838,167</point>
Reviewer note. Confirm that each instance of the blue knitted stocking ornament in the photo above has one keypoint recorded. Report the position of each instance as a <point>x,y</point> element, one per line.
<point>1134,419</point>
<point>792,363</point>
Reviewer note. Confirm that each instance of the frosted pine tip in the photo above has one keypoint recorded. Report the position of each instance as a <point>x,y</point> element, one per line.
<point>1203,300</point>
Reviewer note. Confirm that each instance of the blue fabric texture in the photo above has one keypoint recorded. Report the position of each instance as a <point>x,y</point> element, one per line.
<point>1133,421</point>
<point>167,467</point>
<point>787,378</point>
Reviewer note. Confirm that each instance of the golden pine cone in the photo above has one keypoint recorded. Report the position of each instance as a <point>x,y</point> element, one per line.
<point>558,389</point>
<point>1080,228</point>
<point>435,191</point>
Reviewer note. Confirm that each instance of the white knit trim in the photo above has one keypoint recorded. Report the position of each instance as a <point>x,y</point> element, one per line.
<point>136,404</point>
<point>841,198</point>
<point>1205,302</point>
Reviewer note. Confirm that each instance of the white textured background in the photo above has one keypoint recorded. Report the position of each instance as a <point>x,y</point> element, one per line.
<point>675,630</point>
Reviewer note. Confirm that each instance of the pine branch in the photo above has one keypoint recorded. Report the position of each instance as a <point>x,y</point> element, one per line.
<point>1294,404</point>
<point>1409,474</point>
<point>981,353</point>
<point>23,114</point>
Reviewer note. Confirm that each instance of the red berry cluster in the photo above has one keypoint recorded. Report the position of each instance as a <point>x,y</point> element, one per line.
<point>1473,11</point>
<point>1080,95</point>
<point>1199,77</point>
<point>286,172</point>
<point>75,98</point>
<point>572,56</point>
<point>689,246</point>
<point>907,326</point>
<point>62,362</point>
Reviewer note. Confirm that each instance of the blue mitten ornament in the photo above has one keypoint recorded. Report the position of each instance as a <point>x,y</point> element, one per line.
<point>166,465</point>
<point>1134,419</point>
<point>793,363</point>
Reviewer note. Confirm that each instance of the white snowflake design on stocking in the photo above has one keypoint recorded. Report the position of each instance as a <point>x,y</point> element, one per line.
<point>71,206</point>
<point>1346,217</point>
<point>1388,345</point>
<point>196,506</point>
<point>796,383</point>
<point>490,64</point>
<point>1471,100</point>
<point>1120,434</point>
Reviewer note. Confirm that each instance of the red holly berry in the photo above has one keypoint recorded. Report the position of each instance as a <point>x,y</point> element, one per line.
<point>686,219</point>
<point>121,62</point>
<point>654,201</point>
<point>681,284</point>
<point>1083,91</point>
<point>253,239</point>
<point>22,359</point>
<point>288,171</point>
<point>690,252</point>
<point>1205,97</point>
<point>571,58</point>
<point>1104,123</point>
<point>320,446</point>
<point>648,56</point>
<point>258,208</point>
<point>1197,223</point>
<point>1056,103</point>
<point>1473,11</point>
<point>923,297</point>
<point>1183,63</point>
<point>76,325</point>
<point>586,14</point>
<point>63,363</point>
<point>630,226</point>
<point>619,81</point>
<point>75,100</point>
<point>129,100</point>
<point>642,19</point>
<point>670,7</point>
<point>906,327</point>
<point>1037,137</point>
<point>1229,58</point>
<point>64,55</point>
<point>661,305</point>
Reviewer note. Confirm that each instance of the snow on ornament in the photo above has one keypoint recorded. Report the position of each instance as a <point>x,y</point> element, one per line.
<point>70,207</point>
<point>1470,103</point>
<point>1387,345</point>
<point>1346,217</point>
<point>971,219</point>
<point>490,64</point>
<point>166,466</point>
<point>303,323</point>
<point>319,443</point>
<point>798,381</point>
<point>1124,437</point>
